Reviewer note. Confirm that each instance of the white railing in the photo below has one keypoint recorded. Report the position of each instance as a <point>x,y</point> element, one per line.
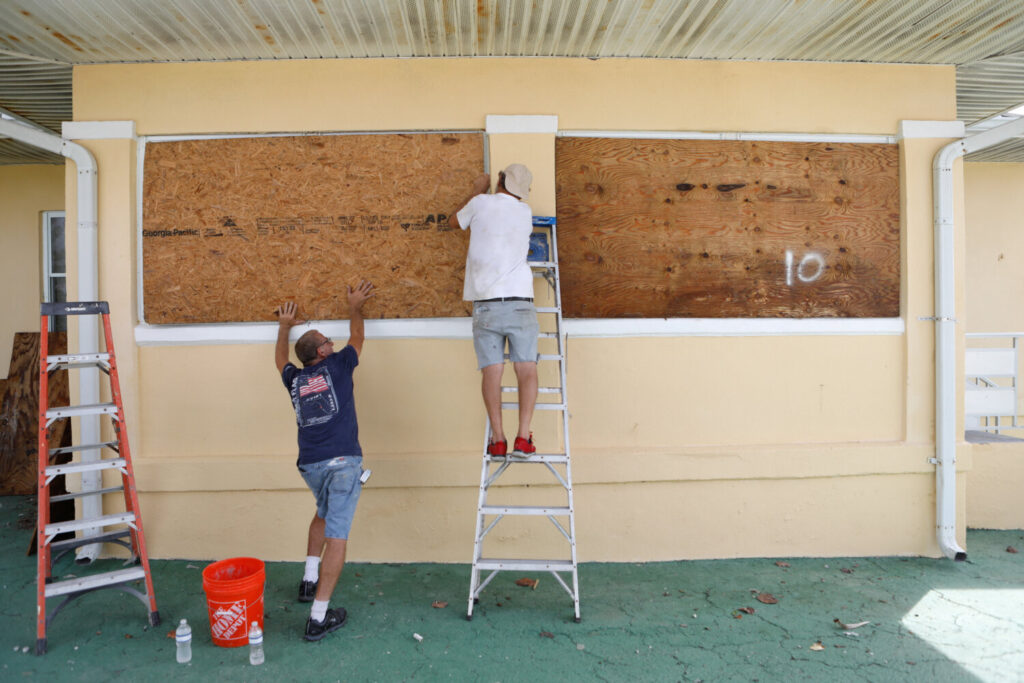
<point>990,390</point>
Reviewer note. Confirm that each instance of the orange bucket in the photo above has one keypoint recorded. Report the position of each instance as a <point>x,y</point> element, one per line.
<point>234,598</point>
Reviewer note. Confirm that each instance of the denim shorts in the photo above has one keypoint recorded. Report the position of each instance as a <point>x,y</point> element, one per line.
<point>336,487</point>
<point>496,321</point>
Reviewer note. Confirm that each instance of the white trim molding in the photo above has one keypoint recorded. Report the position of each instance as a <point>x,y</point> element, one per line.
<point>837,138</point>
<point>526,123</point>
<point>931,129</point>
<point>462,328</point>
<point>98,130</point>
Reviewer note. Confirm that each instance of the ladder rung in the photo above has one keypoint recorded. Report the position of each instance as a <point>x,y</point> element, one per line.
<point>540,390</point>
<point>83,447</point>
<point>83,494</point>
<point>79,361</point>
<point>79,524</point>
<point>60,546</point>
<point>78,411</point>
<point>542,265</point>
<point>74,467</point>
<point>523,510</point>
<point>547,335</point>
<point>512,405</point>
<point>536,457</point>
<point>526,565</point>
<point>78,358</point>
<point>543,356</point>
<point>548,309</point>
<point>85,583</point>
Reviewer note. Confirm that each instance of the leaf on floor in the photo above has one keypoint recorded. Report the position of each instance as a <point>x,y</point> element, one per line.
<point>439,604</point>
<point>817,646</point>
<point>850,627</point>
<point>528,583</point>
<point>767,598</point>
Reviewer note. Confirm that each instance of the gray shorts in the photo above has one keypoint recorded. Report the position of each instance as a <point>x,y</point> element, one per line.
<point>335,485</point>
<point>496,321</point>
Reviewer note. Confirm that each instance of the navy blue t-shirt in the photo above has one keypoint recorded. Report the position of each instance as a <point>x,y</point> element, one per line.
<point>325,409</point>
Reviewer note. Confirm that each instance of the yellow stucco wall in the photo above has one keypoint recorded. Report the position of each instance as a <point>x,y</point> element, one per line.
<point>683,446</point>
<point>25,193</point>
<point>994,284</point>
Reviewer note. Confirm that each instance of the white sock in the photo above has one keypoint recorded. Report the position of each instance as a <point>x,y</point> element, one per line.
<point>312,569</point>
<point>319,610</point>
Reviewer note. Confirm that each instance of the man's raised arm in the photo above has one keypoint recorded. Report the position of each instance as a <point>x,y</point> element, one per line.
<point>285,321</point>
<point>356,329</point>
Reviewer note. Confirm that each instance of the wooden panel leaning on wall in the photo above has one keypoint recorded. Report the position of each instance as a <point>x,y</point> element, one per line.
<point>233,227</point>
<point>727,229</point>
<point>19,414</point>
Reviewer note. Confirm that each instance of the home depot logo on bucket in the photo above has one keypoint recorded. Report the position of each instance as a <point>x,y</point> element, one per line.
<point>228,620</point>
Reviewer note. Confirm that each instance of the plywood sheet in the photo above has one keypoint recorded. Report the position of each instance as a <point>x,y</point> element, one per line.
<point>234,227</point>
<point>19,414</point>
<point>722,229</point>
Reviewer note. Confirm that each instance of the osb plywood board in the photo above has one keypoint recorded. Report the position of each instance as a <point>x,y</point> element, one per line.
<point>19,413</point>
<point>727,229</point>
<point>234,227</point>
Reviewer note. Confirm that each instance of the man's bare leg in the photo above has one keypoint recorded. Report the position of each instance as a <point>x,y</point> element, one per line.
<point>526,376</point>
<point>491,389</point>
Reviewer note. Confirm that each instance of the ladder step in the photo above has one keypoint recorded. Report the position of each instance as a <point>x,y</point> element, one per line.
<point>83,447</point>
<point>543,356</point>
<point>512,405</point>
<point>85,583</point>
<point>548,309</point>
<point>78,411</point>
<point>524,510</point>
<point>78,358</point>
<point>59,546</point>
<point>74,467</point>
<point>79,524</point>
<point>78,361</point>
<point>83,494</point>
<point>542,264</point>
<point>553,458</point>
<point>540,390</point>
<point>525,565</point>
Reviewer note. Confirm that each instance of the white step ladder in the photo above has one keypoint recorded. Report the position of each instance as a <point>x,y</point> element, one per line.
<point>556,461</point>
<point>123,528</point>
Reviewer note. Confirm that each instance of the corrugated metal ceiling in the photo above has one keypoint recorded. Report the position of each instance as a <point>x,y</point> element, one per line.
<point>41,39</point>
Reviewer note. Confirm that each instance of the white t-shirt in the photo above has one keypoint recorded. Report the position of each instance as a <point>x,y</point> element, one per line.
<point>499,241</point>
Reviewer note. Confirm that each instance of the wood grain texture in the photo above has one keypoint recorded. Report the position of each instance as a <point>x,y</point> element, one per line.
<point>19,413</point>
<point>727,229</point>
<point>232,228</point>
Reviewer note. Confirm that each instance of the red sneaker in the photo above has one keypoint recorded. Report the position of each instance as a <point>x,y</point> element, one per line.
<point>497,448</point>
<point>524,448</point>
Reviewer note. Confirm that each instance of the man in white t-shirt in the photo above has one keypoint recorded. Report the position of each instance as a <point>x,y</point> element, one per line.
<point>499,282</point>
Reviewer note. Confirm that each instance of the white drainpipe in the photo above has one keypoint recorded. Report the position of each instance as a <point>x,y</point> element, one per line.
<point>945,329</point>
<point>88,290</point>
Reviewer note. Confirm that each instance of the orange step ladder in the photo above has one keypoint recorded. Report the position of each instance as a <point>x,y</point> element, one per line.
<point>111,528</point>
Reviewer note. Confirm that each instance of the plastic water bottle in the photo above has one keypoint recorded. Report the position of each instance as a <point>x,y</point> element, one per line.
<point>183,637</point>
<point>255,644</point>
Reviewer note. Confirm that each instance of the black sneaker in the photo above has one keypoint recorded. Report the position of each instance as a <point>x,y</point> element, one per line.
<point>307,591</point>
<point>335,619</point>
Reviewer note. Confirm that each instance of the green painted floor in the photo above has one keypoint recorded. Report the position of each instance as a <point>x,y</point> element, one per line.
<point>930,620</point>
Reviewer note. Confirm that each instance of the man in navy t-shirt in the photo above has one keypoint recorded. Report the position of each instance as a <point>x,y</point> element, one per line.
<point>330,458</point>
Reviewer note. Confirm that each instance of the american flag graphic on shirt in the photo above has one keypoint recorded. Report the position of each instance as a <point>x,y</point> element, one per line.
<point>314,384</point>
<point>313,398</point>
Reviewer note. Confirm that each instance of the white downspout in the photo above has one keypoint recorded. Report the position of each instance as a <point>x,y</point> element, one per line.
<point>88,290</point>
<point>945,329</point>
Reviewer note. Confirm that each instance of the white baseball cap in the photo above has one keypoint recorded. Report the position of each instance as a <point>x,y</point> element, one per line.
<point>517,180</point>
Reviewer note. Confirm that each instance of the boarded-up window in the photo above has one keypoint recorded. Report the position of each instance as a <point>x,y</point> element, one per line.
<point>234,227</point>
<point>721,229</point>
